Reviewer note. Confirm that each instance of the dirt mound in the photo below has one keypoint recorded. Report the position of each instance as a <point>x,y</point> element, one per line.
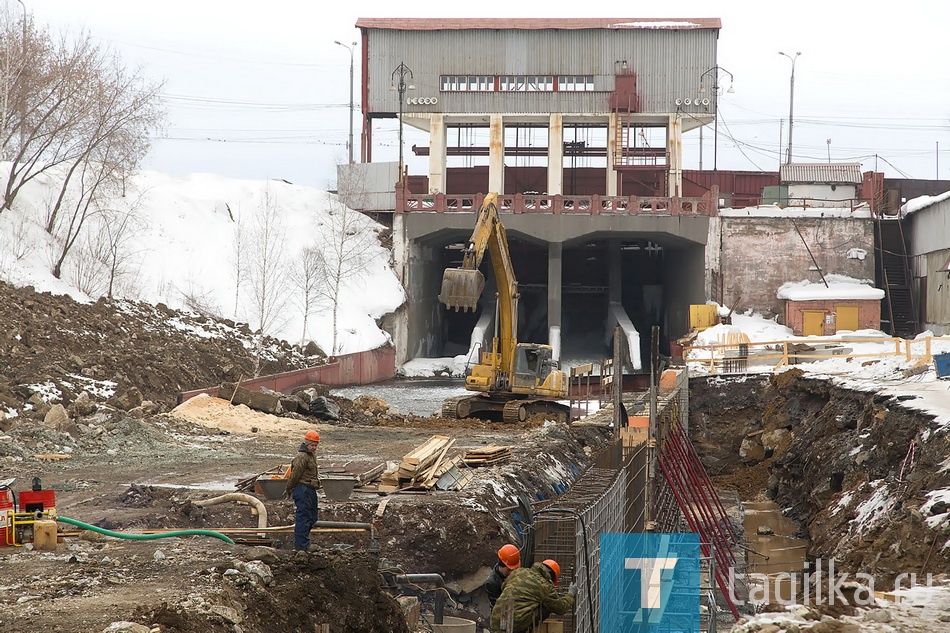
<point>52,345</point>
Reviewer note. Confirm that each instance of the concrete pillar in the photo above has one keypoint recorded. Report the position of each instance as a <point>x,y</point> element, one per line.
<point>496,155</point>
<point>437,143</point>
<point>554,296</point>
<point>614,274</point>
<point>612,135</point>
<point>556,155</point>
<point>674,145</point>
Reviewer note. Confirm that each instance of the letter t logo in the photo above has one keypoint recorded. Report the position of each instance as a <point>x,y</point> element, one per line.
<point>651,570</point>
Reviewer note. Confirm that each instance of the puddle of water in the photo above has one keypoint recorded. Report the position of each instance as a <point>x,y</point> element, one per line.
<point>776,553</point>
<point>418,397</point>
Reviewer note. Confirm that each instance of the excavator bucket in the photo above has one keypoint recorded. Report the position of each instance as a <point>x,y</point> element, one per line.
<point>461,288</point>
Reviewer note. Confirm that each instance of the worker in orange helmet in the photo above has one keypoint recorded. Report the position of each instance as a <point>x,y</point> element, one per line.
<point>302,485</point>
<point>509,558</point>
<point>529,597</point>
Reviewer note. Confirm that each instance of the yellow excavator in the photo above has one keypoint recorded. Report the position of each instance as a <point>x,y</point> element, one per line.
<point>514,379</point>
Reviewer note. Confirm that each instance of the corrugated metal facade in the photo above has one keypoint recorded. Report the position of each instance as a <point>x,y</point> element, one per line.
<point>823,173</point>
<point>668,63</point>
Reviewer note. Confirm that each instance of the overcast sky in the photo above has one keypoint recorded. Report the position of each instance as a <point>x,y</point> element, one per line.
<point>259,89</point>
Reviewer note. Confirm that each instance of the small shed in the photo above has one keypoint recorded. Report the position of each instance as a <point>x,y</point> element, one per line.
<point>817,309</point>
<point>821,184</point>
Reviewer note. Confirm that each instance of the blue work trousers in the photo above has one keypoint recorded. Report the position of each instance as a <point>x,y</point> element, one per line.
<point>305,498</point>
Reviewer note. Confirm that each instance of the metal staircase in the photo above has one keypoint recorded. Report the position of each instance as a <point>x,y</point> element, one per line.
<point>899,315</point>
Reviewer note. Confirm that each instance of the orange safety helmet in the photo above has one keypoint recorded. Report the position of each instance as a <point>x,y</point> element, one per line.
<point>510,556</point>
<point>554,567</point>
<point>312,436</point>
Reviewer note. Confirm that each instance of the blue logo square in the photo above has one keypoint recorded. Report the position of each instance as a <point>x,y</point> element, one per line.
<point>649,583</point>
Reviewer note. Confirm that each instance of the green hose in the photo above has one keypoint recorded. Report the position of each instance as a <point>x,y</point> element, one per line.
<point>145,537</point>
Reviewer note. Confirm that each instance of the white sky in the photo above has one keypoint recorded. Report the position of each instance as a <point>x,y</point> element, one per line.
<point>258,90</point>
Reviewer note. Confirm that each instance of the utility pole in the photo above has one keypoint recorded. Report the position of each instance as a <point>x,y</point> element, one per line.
<point>829,149</point>
<point>715,71</point>
<point>351,49</point>
<point>791,103</point>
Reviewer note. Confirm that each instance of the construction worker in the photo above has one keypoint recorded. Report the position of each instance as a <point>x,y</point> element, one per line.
<point>302,485</point>
<point>528,597</point>
<point>509,559</point>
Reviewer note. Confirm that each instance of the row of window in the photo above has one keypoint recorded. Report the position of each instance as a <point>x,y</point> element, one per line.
<point>517,83</point>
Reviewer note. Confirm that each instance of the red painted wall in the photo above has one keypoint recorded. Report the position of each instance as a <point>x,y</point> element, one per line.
<point>869,313</point>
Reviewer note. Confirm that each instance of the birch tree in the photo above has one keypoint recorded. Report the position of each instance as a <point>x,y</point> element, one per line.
<point>309,276</point>
<point>347,244</point>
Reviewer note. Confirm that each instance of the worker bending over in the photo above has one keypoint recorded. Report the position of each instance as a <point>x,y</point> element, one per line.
<point>509,559</point>
<point>529,597</point>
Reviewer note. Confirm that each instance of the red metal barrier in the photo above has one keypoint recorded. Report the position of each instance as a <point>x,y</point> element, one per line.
<point>700,505</point>
<point>361,368</point>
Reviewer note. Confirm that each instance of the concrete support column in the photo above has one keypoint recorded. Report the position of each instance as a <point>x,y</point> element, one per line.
<point>614,274</point>
<point>496,155</point>
<point>612,135</point>
<point>674,146</point>
<point>554,297</point>
<point>437,143</point>
<point>556,155</point>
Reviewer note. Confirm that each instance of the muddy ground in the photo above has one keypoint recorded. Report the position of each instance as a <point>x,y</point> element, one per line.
<point>852,468</point>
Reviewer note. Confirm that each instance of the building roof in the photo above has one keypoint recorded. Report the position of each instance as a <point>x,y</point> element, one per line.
<point>821,173</point>
<point>447,24</point>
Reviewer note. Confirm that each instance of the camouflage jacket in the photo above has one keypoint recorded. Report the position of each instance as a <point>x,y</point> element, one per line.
<point>530,596</point>
<point>303,470</point>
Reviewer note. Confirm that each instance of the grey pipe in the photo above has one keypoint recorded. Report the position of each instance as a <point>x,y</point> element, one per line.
<point>432,579</point>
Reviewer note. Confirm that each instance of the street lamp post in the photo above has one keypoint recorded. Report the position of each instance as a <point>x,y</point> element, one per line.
<point>351,49</point>
<point>791,103</point>
<point>402,72</point>
<point>715,71</point>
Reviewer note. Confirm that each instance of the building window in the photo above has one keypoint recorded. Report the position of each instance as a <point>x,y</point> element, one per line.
<point>575,83</point>
<point>516,83</point>
<point>467,83</point>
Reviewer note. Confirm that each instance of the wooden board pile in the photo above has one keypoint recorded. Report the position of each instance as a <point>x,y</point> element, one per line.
<point>487,456</point>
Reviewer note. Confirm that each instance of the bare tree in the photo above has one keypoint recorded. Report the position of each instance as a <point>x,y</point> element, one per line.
<point>266,264</point>
<point>238,257</point>
<point>76,104</point>
<point>347,243</point>
<point>309,276</point>
<point>103,262</point>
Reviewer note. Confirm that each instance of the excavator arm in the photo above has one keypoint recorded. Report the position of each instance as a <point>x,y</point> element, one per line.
<point>462,287</point>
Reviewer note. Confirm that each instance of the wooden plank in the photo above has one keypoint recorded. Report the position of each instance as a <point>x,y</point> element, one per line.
<point>372,473</point>
<point>424,451</point>
<point>435,465</point>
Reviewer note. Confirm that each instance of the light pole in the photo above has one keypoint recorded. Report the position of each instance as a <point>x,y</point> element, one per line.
<point>715,70</point>
<point>791,104</point>
<point>400,85</point>
<point>351,49</point>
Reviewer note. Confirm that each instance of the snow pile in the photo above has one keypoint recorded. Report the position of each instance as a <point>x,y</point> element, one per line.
<point>839,287</point>
<point>922,202</point>
<point>194,242</point>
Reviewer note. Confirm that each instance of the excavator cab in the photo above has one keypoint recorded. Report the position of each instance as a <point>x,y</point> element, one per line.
<point>533,364</point>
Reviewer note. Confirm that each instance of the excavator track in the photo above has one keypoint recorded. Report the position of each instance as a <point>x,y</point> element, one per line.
<point>457,408</point>
<point>515,411</point>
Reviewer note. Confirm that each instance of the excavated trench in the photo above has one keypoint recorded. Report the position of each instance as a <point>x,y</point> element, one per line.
<point>851,469</point>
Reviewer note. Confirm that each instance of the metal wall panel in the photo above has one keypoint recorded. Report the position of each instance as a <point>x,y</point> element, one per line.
<point>668,65</point>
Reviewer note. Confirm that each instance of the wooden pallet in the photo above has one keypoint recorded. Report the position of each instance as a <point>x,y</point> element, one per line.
<point>487,456</point>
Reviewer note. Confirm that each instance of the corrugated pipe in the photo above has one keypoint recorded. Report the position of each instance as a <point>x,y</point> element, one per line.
<point>241,498</point>
<point>145,537</point>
